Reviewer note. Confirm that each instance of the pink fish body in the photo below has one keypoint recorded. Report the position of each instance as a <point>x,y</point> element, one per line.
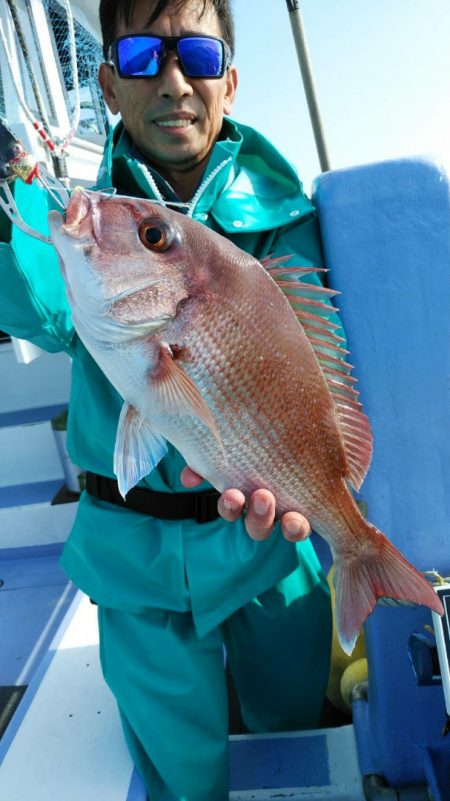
<point>208,354</point>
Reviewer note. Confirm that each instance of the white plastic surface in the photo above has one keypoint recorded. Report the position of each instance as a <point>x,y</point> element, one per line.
<point>69,745</point>
<point>29,454</point>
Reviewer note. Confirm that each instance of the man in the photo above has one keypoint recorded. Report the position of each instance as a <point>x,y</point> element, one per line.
<point>172,590</point>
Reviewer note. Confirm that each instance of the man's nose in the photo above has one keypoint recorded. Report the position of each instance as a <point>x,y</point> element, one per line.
<point>172,81</point>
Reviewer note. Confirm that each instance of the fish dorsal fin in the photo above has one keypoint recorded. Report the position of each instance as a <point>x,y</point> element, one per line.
<point>137,451</point>
<point>176,391</point>
<point>311,309</point>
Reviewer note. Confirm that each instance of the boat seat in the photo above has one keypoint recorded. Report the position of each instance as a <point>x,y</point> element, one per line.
<point>385,232</point>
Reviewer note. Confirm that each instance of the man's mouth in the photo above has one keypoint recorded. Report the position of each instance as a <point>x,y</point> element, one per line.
<point>176,121</point>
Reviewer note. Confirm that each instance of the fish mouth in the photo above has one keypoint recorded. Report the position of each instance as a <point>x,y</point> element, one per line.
<point>77,222</point>
<point>82,219</point>
<point>77,211</point>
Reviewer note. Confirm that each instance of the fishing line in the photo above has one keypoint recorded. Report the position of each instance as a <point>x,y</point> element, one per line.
<point>111,191</point>
<point>8,205</point>
<point>167,203</point>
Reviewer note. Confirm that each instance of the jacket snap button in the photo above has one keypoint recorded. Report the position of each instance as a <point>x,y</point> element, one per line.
<point>294,213</point>
<point>238,224</point>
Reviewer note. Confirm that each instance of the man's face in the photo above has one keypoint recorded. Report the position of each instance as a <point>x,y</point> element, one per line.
<point>174,120</point>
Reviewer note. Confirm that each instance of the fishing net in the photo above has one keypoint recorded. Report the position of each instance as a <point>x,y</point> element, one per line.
<point>93,118</point>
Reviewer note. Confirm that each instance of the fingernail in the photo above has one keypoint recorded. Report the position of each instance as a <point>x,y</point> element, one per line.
<point>230,506</point>
<point>261,505</point>
<point>292,528</point>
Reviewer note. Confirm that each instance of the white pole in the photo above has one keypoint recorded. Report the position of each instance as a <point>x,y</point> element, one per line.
<point>298,32</point>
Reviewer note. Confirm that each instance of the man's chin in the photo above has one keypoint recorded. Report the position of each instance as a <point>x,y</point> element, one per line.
<point>175,134</point>
<point>171,158</point>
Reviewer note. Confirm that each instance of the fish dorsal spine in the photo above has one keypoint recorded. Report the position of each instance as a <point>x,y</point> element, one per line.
<point>309,303</point>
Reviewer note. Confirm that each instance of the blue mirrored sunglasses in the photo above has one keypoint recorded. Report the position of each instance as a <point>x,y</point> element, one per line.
<point>142,55</point>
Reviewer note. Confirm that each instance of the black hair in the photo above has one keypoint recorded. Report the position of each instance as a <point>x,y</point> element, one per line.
<point>110,11</point>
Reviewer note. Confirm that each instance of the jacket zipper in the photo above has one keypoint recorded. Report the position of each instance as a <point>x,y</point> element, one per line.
<point>152,182</point>
<point>200,191</point>
<point>204,185</point>
<point>158,196</point>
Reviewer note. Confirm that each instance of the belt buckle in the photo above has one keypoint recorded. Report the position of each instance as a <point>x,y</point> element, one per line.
<point>205,506</point>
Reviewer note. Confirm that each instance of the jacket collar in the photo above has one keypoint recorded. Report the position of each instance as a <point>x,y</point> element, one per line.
<point>247,185</point>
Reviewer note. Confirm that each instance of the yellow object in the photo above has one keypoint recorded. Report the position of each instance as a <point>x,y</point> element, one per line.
<point>352,675</point>
<point>340,661</point>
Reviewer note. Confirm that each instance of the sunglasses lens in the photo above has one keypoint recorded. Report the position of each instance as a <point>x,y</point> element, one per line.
<point>142,56</point>
<point>201,57</point>
<point>139,55</point>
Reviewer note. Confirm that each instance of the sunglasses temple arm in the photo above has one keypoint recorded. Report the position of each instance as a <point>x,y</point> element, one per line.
<point>7,203</point>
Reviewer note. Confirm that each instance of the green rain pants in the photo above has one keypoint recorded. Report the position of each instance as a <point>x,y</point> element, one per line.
<point>171,690</point>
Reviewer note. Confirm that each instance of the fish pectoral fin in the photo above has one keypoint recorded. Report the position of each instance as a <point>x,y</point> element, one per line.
<point>176,391</point>
<point>137,451</point>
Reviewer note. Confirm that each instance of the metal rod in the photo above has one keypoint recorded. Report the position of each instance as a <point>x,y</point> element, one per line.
<point>308,81</point>
<point>58,159</point>
<point>39,54</point>
<point>27,59</point>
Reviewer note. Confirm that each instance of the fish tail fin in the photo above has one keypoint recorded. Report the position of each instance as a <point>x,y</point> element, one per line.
<point>380,573</point>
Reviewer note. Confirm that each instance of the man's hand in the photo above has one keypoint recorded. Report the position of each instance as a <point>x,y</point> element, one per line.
<point>260,517</point>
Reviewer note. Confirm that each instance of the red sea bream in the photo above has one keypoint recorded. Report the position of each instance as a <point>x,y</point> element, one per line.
<point>252,389</point>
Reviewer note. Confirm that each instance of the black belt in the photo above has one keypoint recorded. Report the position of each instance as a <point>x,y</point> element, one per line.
<point>201,506</point>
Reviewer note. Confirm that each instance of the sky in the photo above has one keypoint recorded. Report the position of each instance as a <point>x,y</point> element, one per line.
<point>382,75</point>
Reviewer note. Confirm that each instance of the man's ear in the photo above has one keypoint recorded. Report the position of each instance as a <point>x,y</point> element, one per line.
<point>106,79</point>
<point>231,86</point>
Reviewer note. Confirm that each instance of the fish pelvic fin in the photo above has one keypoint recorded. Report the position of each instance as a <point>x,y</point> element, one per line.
<point>381,574</point>
<point>137,451</point>
<point>177,391</point>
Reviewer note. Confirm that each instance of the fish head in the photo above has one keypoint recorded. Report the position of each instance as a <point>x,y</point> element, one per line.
<point>124,260</point>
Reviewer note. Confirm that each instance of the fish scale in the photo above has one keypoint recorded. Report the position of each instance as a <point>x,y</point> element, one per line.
<point>248,393</point>
<point>251,387</point>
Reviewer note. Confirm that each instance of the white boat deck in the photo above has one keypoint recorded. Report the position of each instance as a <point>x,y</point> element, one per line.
<point>67,732</point>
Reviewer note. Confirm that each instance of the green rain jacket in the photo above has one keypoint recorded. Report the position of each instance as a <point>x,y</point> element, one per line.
<point>121,558</point>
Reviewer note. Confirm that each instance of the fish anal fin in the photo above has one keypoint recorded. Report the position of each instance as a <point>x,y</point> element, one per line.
<point>361,582</point>
<point>137,451</point>
<point>176,390</point>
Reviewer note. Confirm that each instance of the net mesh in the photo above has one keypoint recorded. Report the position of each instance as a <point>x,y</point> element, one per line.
<point>93,118</point>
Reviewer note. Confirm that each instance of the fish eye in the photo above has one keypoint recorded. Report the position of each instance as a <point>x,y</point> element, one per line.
<point>156,234</point>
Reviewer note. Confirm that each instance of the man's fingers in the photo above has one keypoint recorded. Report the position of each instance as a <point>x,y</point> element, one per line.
<point>260,517</point>
<point>295,527</point>
<point>231,504</point>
